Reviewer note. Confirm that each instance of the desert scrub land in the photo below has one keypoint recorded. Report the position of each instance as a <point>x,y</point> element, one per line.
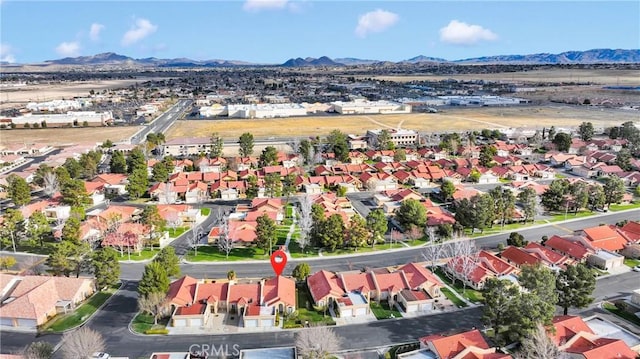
<point>64,136</point>
<point>447,120</point>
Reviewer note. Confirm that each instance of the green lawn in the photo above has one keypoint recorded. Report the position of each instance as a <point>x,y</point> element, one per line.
<point>621,313</point>
<point>622,207</point>
<point>143,322</point>
<point>175,233</point>
<point>561,216</point>
<point>377,247</point>
<point>631,262</point>
<point>212,253</point>
<point>382,311</point>
<point>144,255</point>
<point>205,211</point>
<point>468,293</point>
<point>81,314</point>
<point>306,312</point>
<point>453,298</point>
<point>295,251</point>
<point>511,227</point>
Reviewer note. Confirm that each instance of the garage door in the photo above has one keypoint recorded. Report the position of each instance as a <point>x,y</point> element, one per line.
<point>179,322</point>
<point>7,322</point>
<point>426,306</point>
<point>412,308</point>
<point>267,323</point>
<point>195,322</point>
<point>346,313</point>
<point>361,311</point>
<point>27,323</point>
<point>251,323</point>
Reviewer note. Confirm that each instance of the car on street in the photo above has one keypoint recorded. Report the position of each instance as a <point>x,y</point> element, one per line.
<point>636,268</point>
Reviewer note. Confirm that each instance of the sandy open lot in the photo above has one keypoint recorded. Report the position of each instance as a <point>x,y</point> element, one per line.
<point>63,136</point>
<point>448,120</point>
<point>599,76</point>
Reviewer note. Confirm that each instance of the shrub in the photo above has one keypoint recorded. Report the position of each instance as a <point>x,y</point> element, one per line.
<point>162,331</point>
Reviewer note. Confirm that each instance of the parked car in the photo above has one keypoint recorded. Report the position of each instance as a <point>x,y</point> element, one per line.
<point>100,355</point>
<point>636,268</point>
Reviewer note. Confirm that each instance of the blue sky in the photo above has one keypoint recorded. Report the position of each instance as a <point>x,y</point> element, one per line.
<point>272,31</point>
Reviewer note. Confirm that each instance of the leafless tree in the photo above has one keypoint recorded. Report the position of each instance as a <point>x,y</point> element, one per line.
<point>32,265</point>
<point>225,239</point>
<point>464,261</point>
<point>540,346</point>
<point>174,221</point>
<point>431,234</point>
<point>155,304</point>
<point>317,342</point>
<point>81,343</point>
<point>305,221</point>
<point>51,184</point>
<point>395,236</point>
<point>168,195</point>
<point>38,350</point>
<point>433,253</point>
<point>194,238</point>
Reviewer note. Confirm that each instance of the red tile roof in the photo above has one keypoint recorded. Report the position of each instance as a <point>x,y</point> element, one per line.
<point>279,289</point>
<point>182,291</point>
<point>566,326</point>
<point>605,237</point>
<point>519,256</point>
<point>211,292</point>
<point>322,284</point>
<point>603,348</point>
<point>632,231</point>
<point>361,282</point>
<point>564,245</point>
<point>247,293</point>
<point>194,309</point>
<point>391,282</point>
<point>449,347</point>
<point>418,275</point>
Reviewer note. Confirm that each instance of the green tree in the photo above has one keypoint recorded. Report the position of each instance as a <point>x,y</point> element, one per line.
<point>447,188</point>
<point>339,145</point>
<point>266,235</point>
<point>486,155</point>
<point>62,175</point>
<point>106,267</point>
<point>500,298</point>
<point>74,193</point>
<point>377,224</point>
<point>516,239</point>
<point>42,171</point>
<point>477,212</point>
<point>160,173</point>
<point>273,185</point>
<point>38,227</point>
<point>357,234</point>
<point>552,133</point>
<point>411,213</point>
<point>586,131</point>
<point>107,143</point>
<point>154,279</point>
<point>168,259</point>
<point>317,219</point>
<point>169,163</point>
<point>562,141</point>
<point>529,311</point>
<point>384,141</point>
<point>301,272</point>
<point>541,281</point>
<point>71,230</point>
<point>268,157</point>
<point>136,160</point>
<point>503,203</point>
<point>138,183</point>
<point>400,155</point>
<point>289,185</point>
<point>580,192</point>
<point>151,217</point>
<point>89,165</point>
<point>623,159</point>
<point>217,145</point>
<point>575,285</point>
<point>18,190</point>
<point>246,144</point>
<point>118,164</point>
<point>333,231</point>
<point>613,190</point>
<point>59,261</point>
<point>73,167</point>
<point>252,187</point>
<point>305,150</point>
<point>529,200</point>
<point>12,227</point>
<point>553,198</point>
<point>7,262</point>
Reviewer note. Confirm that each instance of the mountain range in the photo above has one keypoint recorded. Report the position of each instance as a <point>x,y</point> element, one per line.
<point>569,57</point>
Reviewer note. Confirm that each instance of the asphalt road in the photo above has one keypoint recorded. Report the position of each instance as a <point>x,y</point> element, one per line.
<point>133,271</point>
<point>163,122</point>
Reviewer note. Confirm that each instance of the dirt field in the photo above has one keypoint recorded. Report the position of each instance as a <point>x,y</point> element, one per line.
<point>10,97</point>
<point>449,120</point>
<point>61,136</point>
<point>601,76</point>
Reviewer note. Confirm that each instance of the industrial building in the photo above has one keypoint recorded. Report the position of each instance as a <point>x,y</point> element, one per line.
<point>71,118</point>
<point>186,146</point>
<point>263,110</point>
<point>399,137</point>
<point>362,106</point>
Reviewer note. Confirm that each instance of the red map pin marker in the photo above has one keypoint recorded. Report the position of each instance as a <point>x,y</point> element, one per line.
<point>278,261</point>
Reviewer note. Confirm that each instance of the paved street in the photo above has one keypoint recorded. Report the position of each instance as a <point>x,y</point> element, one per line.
<point>163,122</point>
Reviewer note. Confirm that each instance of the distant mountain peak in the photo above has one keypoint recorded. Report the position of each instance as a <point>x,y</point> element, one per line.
<point>310,61</point>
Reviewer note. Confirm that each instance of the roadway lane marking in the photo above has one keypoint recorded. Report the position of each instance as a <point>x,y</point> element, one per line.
<point>562,228</point>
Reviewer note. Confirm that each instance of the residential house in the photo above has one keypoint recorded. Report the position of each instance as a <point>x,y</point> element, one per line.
<point>28,302</point>
<point>470,344</point>
<point>603,238</point>
<point>575,337</point>
<point>475,271</point>
<point>115,184</point>
<point>570,246</point>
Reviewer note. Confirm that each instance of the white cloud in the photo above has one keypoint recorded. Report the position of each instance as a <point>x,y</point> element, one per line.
<point>259,5</point>
<point>375,21</point>
<point>139,31</point>
<point>68,48</point>
<point>461,33</point>
<point>6,53</point>
<point>94,32</point>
